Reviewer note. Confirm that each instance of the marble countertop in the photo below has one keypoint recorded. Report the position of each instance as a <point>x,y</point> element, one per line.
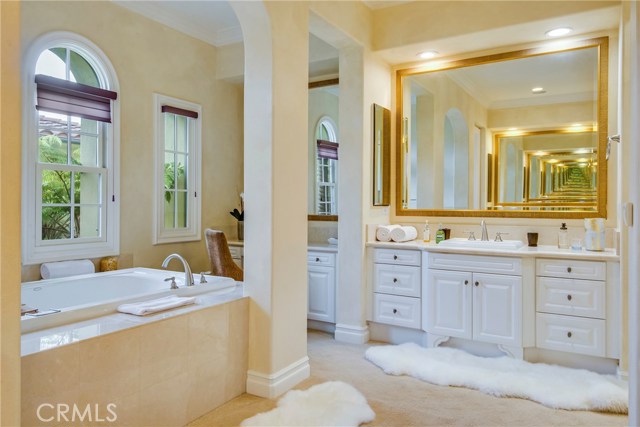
<point>542,251</point>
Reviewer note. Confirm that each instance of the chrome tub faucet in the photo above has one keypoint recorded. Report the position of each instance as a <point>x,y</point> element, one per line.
<point>188,277</point>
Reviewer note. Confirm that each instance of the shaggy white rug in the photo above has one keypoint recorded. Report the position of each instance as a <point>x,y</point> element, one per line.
<point>332,403</point>
<point>553,386</point>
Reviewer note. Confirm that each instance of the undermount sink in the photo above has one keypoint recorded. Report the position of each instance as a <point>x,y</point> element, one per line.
<point>507,245</point>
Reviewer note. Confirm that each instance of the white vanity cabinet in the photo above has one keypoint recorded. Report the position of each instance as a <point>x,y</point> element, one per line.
<point>237,253</point>
<point>321,275</point>
<point>571,306</point>
<point>473,297</point>
<point>397,287</point>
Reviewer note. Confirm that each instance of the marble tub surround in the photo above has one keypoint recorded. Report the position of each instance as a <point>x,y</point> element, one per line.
<point>320,231</point>
<point>163,372</point>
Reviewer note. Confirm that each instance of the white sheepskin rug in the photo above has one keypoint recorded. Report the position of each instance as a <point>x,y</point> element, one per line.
<point>332,403</point>
<point>553,386</point>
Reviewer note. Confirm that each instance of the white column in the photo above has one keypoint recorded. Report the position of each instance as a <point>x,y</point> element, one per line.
<point>275,187</point>
<point>351,288</point>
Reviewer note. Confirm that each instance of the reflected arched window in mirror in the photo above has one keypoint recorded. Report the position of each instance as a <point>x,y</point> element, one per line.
<point>326,167</point>
<point>456,161</point>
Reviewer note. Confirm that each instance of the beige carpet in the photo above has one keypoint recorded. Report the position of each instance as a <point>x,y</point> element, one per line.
<point>405,401</point>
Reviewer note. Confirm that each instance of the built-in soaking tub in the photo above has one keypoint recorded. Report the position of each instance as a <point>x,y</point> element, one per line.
<point>166,368</point>
<point>71,299</point>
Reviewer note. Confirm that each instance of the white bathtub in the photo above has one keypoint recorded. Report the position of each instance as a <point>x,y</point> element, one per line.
<point>76,298</point>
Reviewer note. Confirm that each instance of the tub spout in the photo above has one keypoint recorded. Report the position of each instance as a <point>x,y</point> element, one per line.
<point>188,277</point>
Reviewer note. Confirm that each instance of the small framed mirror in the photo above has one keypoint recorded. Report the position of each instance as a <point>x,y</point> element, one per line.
<point>381,156</point>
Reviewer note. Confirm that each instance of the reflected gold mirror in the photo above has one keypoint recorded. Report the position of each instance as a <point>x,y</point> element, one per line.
<point>516,134</point>
<point>381,156</point>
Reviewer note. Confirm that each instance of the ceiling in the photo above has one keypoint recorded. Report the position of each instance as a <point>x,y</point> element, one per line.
<point>215,22</point>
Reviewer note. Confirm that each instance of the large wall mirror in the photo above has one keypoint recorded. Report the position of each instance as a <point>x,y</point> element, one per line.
<point>519,134</point>
<point>323,151</point>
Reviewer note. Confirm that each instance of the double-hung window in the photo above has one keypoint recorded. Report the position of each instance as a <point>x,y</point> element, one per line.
<point>70,176</point>
<point>327,168</point>
<point>178,158</point>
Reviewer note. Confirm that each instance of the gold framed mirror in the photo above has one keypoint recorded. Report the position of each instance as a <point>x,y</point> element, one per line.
<point>515,134</point>
<point>381,156</point>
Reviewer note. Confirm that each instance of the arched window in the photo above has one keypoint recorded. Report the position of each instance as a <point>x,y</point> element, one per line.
<point>327,167</point>
<point>70,146</point>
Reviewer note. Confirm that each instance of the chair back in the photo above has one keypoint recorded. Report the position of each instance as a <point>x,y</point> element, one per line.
<point>220,256</point>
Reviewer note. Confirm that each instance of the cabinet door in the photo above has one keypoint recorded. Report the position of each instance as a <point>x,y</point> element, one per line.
<point>447,303</point>
<point>497,309</point>
<point>322,288</point>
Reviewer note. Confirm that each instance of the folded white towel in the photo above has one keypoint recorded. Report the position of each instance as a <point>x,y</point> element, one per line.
<point>54,270</point>
<point>155,305</point>
<point>383,232</point>
<point>332,241</point>
<point>404,234</point>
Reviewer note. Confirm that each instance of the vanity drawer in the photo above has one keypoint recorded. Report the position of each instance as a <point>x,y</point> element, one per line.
<point>476,263</point>
<point>321,258</point>
<point>397,256</point>
<point>574,297</point>
<point>395,310</point>
<point>589,270</point>
<point>397,279</point>
<point>568,333</point>
<point>236,251</point>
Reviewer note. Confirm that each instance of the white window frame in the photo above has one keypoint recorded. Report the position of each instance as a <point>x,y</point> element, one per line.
<point>34,249</point>
<point>331,130</point>
<point>192,232</point>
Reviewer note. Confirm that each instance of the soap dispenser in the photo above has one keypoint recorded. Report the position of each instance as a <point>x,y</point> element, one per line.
<point>563,237</point>
<point>439,234</point>
<point>426,233</point>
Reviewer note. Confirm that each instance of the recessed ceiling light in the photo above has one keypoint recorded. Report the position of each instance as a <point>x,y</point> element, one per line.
<point>428,54</point>
<point>575,125</point>
<point>537,90</point>
<point>512,129</point>
<point>558,32</point>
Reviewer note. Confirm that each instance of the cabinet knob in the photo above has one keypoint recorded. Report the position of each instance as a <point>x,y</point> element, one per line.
<point>568,269</point>
<point>395,311</point>
<point>317,259</point>
<point>395,257</point>
<point>569,334</point>
<point>395,280</point>
<point>466,282</point>
<point>569,297</point>
<point>477,283</point>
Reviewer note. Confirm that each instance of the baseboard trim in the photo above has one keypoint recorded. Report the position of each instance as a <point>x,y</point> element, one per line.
<point>273,385</point>
<point>352,334</point>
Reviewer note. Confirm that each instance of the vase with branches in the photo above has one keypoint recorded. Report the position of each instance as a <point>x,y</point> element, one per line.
<point>239,215</point>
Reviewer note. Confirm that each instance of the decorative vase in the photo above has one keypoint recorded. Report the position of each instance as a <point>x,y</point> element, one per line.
<point>240,230</point>
<point>109,263</point>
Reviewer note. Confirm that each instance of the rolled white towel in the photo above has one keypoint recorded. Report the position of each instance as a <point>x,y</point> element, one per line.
<point>155,305</point>
<point>383,232</point>
<point>404,234</point>
<point>54,270</point>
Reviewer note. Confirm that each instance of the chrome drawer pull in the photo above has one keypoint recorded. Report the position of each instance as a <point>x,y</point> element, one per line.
<point>395,311</point>
<point>569,297</point>
<point>477,283</point>
<point>395,257</point>
<point>466,282</point>
<point>317,259</point>
<point>568,269</point>
<point>569,334</point>
<point>395,280</point>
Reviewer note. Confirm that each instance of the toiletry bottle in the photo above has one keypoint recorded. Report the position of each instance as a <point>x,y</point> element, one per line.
<point>426,233</point>
<point>439,234</point>
<point>563,237</point>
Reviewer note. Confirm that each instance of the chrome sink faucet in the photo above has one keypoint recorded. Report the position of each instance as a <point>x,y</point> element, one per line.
<point>485,235</point>
<point>188,277</point>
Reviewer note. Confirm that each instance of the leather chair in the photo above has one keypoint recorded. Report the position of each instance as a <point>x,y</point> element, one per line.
<point>220,257</point>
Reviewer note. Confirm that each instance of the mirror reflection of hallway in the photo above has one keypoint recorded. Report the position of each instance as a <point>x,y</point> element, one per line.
<point>456,161</point>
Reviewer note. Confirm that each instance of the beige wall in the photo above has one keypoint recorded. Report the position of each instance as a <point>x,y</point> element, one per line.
<point>547,116</point>
<point>10,114</point>
<point>149,57</point>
